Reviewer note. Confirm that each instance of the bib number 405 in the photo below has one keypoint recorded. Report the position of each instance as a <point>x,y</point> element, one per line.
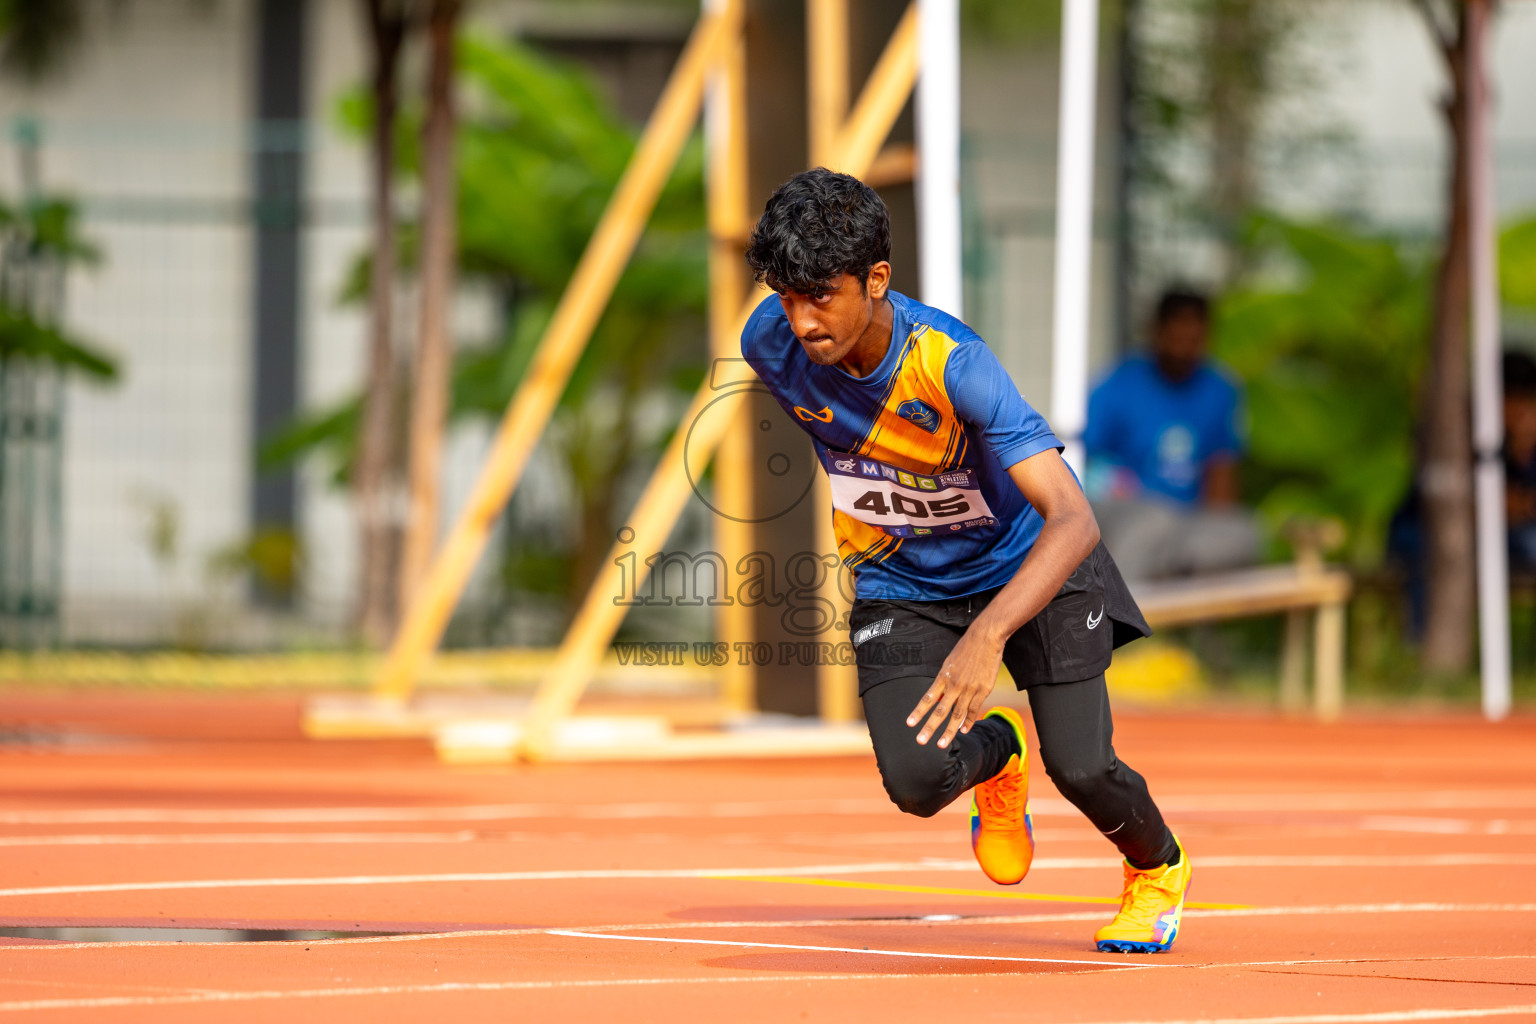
<point>913,508</point>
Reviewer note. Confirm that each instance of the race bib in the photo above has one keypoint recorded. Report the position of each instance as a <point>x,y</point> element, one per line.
<point>903,503</point>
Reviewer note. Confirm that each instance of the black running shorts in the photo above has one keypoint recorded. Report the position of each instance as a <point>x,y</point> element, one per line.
<point>1072,639</point>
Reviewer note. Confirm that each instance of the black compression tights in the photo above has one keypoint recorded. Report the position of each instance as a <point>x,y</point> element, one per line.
<point>1074,728</point>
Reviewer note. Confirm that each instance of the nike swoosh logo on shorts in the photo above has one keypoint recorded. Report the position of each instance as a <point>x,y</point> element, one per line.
<point>1094,620</point>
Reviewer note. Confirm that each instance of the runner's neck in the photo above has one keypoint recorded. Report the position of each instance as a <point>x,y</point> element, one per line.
<point>869,351</point>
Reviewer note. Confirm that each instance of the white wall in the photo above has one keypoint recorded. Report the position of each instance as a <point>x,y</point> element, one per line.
<point>1382,83</point>
<point>148,127</point>
<point>335,339</point>
<point>1009,97</point>
<point>171,299</point>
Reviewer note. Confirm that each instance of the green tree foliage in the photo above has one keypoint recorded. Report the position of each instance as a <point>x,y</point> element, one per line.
<point>536,171</point>
<point>540,153</point>
<point>1331,359</point>
<point>1517,265</point>
<point>1010,21</point>
<point>1211,83</point>
<point>1330,336</point>
<point>40,241</point>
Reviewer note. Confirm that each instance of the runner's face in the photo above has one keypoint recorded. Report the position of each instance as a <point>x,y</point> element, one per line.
<point>831,322</point>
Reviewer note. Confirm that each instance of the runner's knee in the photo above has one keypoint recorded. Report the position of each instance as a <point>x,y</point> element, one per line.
<point>1083,781</point>
<point>916,788</point>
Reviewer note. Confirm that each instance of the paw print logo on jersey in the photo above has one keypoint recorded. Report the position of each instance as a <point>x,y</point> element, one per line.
<point>783,461</point>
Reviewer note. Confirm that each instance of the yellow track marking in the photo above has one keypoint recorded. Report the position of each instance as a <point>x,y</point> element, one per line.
<point>933,890</point>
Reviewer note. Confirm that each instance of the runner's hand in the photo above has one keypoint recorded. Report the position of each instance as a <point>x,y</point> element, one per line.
<point>959,690</point>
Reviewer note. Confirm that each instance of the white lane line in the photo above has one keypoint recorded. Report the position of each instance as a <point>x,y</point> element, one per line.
<point>826,922</point>
<point>1447,826</point>
<point>1371,908</point>
<point>1384,1017</point>
<point>849,949</point>
<point>1368,860</point>
<point>471,812</point>
<point>1399,823</point>
<point>217,996</point>
<point>1441,826</point>
<point>1409,800</point>
<point>1471,957</point>
<point>991,920</point>
<point>241,838</point>
<point>513,933</point>
<point>1391,800</point>
<point>946,837</point>
<point>882,867</point>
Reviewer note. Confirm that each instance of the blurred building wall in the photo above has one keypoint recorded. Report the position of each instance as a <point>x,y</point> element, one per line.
<point>1009,96</point>
<point>1357,134</point>
<point>145,127</point>
<point>150,126</point>
<point>1383,82</point>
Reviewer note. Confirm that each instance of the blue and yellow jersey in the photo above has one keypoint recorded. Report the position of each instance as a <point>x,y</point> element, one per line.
<point>918,451</point>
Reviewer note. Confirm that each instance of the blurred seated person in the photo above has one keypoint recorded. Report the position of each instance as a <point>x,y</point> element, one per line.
<point>1164,439</point>
<point>1520,458</point>
<point>1406,540</point>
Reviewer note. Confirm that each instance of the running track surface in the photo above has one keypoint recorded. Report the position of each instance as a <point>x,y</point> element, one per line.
<point>1378,870</point>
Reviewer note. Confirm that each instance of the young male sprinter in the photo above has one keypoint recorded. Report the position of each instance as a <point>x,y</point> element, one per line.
<point>969,539</point>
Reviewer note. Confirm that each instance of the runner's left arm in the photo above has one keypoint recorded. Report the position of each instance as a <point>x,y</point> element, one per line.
<point>1069,535</point>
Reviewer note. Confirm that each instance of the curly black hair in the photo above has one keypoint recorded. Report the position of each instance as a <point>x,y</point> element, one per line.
<point>1181,301</point>
<point>817,225</point>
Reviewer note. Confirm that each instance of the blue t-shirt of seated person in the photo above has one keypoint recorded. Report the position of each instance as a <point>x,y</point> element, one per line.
<point>1164,432</point>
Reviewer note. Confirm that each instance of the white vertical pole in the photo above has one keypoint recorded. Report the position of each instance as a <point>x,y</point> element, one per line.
<point>1074,223</point>
<point>1487,386</point>
<point>940,268</point>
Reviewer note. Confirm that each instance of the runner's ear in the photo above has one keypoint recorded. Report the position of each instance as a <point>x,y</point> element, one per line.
<point>878,282</point>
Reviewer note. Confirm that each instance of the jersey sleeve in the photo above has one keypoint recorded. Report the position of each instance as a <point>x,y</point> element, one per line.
<point>759,324</point>
<point>984,396</point>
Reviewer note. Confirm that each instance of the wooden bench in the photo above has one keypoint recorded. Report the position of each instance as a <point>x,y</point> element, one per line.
<point>1307,588</point>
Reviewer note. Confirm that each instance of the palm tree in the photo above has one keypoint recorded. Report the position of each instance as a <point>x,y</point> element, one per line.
<point>388,24</point>
<point>1445,442</point>
<point>430,375</point>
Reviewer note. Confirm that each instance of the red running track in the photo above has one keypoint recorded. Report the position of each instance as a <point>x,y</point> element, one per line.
<point>1378,870</point>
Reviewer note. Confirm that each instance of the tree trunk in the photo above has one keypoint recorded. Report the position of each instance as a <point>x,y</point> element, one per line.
<point>378,538</point>
<point>1236,55</point>
<point>1445,475</point>
<point>429,405</point>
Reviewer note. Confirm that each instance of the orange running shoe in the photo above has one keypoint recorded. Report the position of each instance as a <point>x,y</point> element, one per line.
<point>1151,908</point>
<point>1002,830</point>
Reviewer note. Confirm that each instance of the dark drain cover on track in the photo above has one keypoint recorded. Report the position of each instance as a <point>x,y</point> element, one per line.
<point>109,934</point>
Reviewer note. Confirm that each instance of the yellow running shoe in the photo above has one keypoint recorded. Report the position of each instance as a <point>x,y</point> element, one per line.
<point>1002,830</point>
<point>1151,908</point>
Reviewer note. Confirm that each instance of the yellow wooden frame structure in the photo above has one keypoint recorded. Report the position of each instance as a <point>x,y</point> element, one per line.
<point>840,138</point>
